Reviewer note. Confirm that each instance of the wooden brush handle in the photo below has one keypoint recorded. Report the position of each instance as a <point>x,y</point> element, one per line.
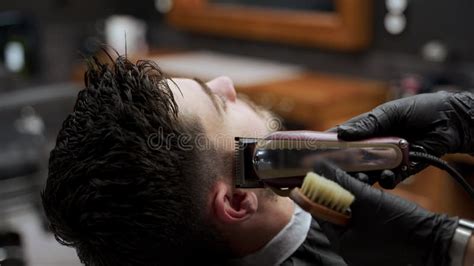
<point>318,211</point>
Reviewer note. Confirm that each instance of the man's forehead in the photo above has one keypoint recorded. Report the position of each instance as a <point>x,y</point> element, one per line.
<point>191,99</point>
<point>175,85</point>
<point>181,90</point>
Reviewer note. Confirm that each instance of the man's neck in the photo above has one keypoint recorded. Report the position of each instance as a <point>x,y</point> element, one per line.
<point>272,216</point>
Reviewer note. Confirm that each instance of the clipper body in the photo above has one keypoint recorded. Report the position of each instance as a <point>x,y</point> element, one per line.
<point>282,160</point>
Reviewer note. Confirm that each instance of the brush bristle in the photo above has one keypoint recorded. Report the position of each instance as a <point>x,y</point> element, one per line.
<point>326,192</point>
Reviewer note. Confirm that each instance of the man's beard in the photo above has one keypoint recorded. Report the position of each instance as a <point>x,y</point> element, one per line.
<point>267,115</point>
<point>266,193</point>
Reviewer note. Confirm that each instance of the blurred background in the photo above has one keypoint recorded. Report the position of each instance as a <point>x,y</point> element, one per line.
<point>315,63</point>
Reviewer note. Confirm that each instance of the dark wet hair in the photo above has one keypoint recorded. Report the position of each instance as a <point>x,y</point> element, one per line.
<point>110,195</point>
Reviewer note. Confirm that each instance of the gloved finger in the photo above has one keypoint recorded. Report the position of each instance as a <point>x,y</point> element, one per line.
<point>356,118</point>
<point>362,128</point>
<point>382,121</point>
<point>368,179</point>
<point>332,172</point>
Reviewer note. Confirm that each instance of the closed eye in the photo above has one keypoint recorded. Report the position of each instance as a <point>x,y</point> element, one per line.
<point>213,96</point>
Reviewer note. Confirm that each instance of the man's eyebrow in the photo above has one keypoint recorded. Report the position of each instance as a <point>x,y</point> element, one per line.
<point>211,95</point>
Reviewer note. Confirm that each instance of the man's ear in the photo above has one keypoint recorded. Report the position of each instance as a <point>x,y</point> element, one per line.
<point>233,205</point>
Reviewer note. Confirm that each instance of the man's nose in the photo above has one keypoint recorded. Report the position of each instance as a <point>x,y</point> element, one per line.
<point>224,87</point>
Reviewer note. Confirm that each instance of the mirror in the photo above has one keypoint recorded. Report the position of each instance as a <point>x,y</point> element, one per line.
<point>296,5</point>
<point>343,25</point>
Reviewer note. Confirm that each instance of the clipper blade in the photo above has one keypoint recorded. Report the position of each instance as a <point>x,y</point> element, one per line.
<point>245,176</point>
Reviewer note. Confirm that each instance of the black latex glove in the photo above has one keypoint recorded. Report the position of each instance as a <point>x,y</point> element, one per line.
<point>439,122</point>
<point>385,229</point>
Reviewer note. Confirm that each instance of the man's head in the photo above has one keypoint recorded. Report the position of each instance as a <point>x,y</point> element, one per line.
<point>142,167</point>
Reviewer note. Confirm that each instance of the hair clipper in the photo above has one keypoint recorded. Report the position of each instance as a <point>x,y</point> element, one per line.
<point>283,159</point>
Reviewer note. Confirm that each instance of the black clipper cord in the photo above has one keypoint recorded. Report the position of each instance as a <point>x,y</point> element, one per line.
<point>422,157</point>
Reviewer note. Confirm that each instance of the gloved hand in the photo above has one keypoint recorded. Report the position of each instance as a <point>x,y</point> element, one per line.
<point>439,122</point>
<point>385,229</point>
